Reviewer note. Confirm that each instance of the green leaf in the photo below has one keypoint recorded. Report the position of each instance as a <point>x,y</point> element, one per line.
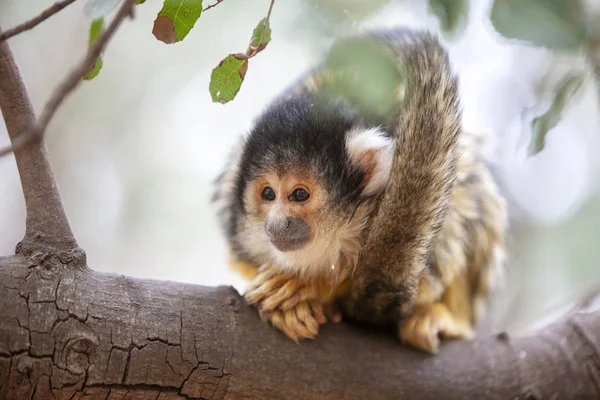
<point>176,20</point>
<point>95,70</point>
<point>95,9</point>
<point>227,77</point>
<point>96,29</point>
<point>140,1</point>
<point>256,44</point>
<point>453,14</point>
<point>556,24</point>
<point>565,93</point>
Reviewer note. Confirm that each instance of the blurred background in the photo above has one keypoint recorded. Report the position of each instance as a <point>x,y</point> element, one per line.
<point>136,149</point>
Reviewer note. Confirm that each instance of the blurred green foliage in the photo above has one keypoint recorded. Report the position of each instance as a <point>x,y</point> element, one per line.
<point>559,25</point>
<point>453,14</point>
<point>96,29</point>
<point>556,24</point>
<point>365,75</point>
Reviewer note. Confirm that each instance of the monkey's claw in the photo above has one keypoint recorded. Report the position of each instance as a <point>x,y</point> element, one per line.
<point>424,328</point>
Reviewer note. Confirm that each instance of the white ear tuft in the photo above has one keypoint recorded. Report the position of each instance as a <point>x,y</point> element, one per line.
<point>373,151</point>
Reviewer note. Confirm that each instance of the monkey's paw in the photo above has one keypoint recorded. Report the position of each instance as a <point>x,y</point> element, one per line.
<point>428,323</point>
<point>290,306</point>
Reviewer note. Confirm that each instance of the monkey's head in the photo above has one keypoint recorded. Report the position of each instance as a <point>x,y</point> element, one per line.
<point>306,167</point>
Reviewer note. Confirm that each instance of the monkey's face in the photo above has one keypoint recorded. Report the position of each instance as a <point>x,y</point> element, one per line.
<point>288,204</point>
<point>298,222</point>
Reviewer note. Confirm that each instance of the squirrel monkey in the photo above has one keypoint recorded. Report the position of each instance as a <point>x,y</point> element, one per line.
<point>357,193</point>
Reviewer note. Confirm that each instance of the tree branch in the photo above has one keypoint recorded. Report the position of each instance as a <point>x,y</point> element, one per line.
<point>212,5</point>
<point>73,79</point>
<point>35,21</point>
<point>47,223</point>
<point>75,333</point>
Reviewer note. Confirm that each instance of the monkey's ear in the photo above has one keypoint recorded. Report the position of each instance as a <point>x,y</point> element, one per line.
<point>373,151</point>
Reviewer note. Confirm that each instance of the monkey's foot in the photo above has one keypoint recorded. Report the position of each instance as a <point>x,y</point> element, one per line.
<point>291,306</point>
<point>430,322</point>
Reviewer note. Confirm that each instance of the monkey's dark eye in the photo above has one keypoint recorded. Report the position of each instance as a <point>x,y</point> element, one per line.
<point>299,195</point>
<point>268,194</point>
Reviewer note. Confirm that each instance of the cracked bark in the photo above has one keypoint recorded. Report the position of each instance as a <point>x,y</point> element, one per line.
<point>67,332</point>
<point>70,333</point>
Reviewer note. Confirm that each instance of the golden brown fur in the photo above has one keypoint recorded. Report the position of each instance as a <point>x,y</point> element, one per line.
<point>422,254</point>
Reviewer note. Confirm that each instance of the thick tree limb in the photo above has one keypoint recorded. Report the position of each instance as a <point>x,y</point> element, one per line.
<point>35,21</point>
<point>72,332</point>
<point>36,130</point>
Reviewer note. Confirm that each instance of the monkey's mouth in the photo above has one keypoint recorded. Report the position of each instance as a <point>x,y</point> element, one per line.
<point>286,244</point>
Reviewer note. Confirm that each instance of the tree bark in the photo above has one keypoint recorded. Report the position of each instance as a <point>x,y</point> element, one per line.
<point>68,333</point>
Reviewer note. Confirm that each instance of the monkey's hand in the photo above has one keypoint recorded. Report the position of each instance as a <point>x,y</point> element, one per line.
<point>292,306</point>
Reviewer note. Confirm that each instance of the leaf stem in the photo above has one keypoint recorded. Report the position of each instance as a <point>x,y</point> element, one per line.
<point>262,34</point>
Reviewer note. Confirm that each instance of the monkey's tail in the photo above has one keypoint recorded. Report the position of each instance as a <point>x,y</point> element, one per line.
<point>416,199</point>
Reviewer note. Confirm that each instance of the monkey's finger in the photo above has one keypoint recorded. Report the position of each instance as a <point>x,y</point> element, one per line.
<point>316,308</point>
<point>278,321</point>
<point>333,313</point>
<point>297,325</point>
<point>253,297</point>
<point>268,281</point>
<point>260,290</point>
<point>289,290</point>
<point>265,316</point>
<point>288,297</point>
<point>308,324</point>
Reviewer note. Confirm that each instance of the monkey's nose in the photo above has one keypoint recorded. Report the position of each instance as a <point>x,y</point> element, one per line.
<point>288,234</point>
<point>285,226</point>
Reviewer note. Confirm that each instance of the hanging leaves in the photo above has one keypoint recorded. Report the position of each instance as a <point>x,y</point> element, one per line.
<point>226,78</point>
<point>453,14</point>
<point>176,19</point>
<point>555,24</point>
<point>564,95</point>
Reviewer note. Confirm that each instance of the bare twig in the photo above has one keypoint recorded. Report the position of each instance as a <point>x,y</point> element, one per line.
<point>212,5</point>
<point>70,82</point>
<point>33,22</point>
<point>262,34</point>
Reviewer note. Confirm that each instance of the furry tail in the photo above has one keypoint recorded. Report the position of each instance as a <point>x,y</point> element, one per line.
<point>414,204</point>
